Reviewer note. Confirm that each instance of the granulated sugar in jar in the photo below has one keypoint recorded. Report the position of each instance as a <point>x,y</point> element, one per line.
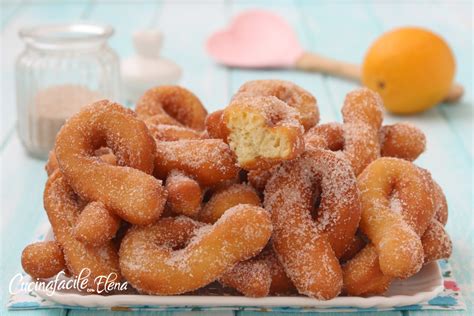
<point>62,68</point>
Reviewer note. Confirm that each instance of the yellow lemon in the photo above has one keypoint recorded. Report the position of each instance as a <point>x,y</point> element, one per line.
<point>411,68</point>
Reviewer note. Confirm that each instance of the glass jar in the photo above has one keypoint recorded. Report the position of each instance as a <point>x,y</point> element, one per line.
<point>62,68</point>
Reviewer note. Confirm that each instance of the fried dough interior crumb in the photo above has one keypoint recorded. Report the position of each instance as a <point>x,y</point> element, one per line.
<point>251,138</point>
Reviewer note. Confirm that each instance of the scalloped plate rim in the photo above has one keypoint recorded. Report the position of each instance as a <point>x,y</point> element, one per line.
<point>434,287</point>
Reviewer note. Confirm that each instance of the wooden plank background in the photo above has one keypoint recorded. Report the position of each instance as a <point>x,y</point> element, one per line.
<point>340,29</point>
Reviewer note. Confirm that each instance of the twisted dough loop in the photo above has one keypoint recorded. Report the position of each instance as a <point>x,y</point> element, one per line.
<point>178,103</point>
<point>363,274</point>
<point>128,190</point>
<point>308,249</point>
<point>396,209</point>
<point>62,208</point>
<point>153,267</point>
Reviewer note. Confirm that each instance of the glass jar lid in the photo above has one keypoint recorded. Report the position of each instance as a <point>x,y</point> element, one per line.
<point>66,36</point>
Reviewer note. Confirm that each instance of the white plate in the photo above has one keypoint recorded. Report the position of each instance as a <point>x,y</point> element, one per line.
<point>423,286</point>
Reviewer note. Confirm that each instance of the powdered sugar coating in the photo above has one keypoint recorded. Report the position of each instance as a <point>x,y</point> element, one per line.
<point>286,91</point>
<point>436,242</point>
<point>392,182</point>
<point>177,102</point>
<point>362,115</point>
<point>129,191</point>
<point>62,207</point>
<point>228,197</point>
<point>153,268</point>
<point>402,140</point>
<point>306,248</point>
<point>184,194</point>
<point>252,278</point>
<point>208,161</point>
<point>43,259</point>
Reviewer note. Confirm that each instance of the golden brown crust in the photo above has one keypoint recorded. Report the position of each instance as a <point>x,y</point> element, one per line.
<point>61,205</point>
<point>308,249</point>
<point>224,199</point>
<point>362,275</point>
<point>43,259</point>
<point>155,268</point>
<point>251,277</point>
<point>127,189</point>
<point>396,209</point>
<point>96,225</point>
<point>402,140</point>
<point>215,126</point>
<point>177,102</point>
<point>208,161</point>
<point>436,242</point>
<point>184,194</point>
<point>362,116</point>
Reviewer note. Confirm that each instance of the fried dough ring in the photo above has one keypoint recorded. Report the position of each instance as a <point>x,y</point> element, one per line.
<point>262,131</point>
<point>208,161</point>
<point>128,190</point>
<point>43,259</point>
<point>184,194</point>
<point>436,243</point>
<point>153,268</point>
<point>396,210</point>
<point>62,208</point>
<point>224,199</point>
<point>288,92</point>
<point>307,248</point>
<point>177,102</point>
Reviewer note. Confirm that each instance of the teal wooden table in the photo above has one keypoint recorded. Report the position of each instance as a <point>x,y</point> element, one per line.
<point>340,29</point>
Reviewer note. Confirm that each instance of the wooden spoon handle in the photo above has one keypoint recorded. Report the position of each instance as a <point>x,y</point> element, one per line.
<point>317,63</point>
